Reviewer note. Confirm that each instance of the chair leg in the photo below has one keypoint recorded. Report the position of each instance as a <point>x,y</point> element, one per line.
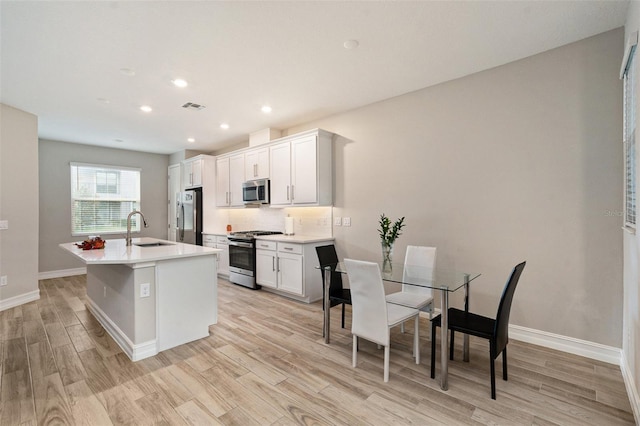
<point>504,363</point>
<point>386,363</point>
<point>354,356</point>
<point>492,360</point>
<point>451,345</point>
<point>416,340</point>
<point>343,315</point>
<point>433,350</point>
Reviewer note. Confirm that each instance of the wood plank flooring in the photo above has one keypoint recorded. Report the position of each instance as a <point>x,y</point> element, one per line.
<point>265,363</point>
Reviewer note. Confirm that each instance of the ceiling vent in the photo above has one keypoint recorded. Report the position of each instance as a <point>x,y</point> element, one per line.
<point>191,105</point>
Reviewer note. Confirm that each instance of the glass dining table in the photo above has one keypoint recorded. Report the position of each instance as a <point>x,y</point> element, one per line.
<point>445,280</point>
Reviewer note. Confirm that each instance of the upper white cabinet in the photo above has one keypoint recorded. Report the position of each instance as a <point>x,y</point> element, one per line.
<point>300,170</point>
<point>229,179</point>
<point>197,171</point>
<point>256,164</point>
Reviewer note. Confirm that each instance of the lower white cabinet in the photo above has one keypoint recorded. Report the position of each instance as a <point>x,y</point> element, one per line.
<point>220,242</point>
<point>289,269</point>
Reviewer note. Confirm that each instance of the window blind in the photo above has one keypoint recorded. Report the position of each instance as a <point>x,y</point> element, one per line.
<point>102,197</point>
<point>629,135</point>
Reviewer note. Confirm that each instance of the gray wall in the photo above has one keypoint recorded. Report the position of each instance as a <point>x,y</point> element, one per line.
<point>520,162</point>
<point>55,195</point>
<point>18,204</point>
<point>631,310</point>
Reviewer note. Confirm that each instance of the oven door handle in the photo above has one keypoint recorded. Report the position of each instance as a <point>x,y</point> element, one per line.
<point>240,244</point>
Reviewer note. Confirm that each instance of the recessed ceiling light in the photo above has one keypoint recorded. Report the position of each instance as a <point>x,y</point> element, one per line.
<point>178,82</point>
<point>146,108</point>
<point>103,100</point>
<point>351,44</point>
<point>266,109</point>
<point>127,71</point>
<point>224,126</point>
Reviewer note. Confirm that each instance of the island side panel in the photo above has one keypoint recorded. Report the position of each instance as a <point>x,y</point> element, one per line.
<point>115,291</point>
<point>187,297</point>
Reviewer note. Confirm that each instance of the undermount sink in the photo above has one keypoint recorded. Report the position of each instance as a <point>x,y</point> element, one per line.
<point>154,244</point>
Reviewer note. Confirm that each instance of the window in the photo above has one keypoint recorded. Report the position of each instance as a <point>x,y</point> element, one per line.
<point>102,197</point>
<point>628,74</point>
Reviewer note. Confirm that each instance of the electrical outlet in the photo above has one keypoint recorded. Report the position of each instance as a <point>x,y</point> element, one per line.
<point>4,224</point>
<point>3,281</point>
<point>346,221</point>
<point>145,290</point>
<point>337,221</point>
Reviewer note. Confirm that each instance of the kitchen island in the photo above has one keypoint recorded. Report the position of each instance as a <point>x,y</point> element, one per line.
<point>152,295</point>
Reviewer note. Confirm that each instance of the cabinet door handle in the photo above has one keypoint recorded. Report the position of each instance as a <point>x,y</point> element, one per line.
<point>273,263</point>
<point>292,197</point>
<point>255,170</point>
<point>278,265</point>
<point>288,248</point>
<point>287,192</point>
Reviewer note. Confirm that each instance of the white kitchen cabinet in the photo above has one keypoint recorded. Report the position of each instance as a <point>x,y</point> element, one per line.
<point>288,268</point>
<point>222,182</point>
<point>220,242</point>
<point>279,266</point>
<point>280,173</point>
<point>301,170</point>
<point>256,164</point>
<point>229,180</point>
<point>198,172</point>
<point>223,258</point>
<point>290,277</point>
<point>266,269</point>
<point>192,172</point>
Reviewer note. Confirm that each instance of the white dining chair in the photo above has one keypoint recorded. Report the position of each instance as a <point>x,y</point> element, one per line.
<point>419,265</point>
<point>371,316</point>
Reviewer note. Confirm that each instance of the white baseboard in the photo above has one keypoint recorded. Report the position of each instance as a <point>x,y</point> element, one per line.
<point>12,302</point>
<point>61,273</point>
<point>134,352</point>
<point>566,344</point>
<point>632,391</point>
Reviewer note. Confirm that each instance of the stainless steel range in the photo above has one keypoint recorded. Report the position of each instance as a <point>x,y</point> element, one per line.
<point>242,257</point>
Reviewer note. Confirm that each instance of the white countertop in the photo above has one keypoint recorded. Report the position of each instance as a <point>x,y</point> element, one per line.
<point>302,239</point>
<point>117,252</point>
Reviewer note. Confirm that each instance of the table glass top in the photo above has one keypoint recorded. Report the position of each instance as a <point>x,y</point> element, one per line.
<point>449,279</point>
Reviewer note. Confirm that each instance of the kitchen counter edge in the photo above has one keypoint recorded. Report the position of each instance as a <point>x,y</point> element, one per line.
<point>116,252</point>
<point>301,239</point>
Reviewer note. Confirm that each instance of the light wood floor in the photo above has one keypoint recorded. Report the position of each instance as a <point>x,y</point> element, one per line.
<point>265,363</point>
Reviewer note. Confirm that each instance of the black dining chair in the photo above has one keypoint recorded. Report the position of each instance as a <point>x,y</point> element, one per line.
<point>327,256</point>
<point>495,330</point>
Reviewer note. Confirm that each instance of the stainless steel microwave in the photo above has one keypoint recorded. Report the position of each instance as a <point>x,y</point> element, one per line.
<point>256,191</point>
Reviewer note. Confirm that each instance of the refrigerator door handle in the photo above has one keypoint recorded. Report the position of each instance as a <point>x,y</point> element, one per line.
<point>182,227</point>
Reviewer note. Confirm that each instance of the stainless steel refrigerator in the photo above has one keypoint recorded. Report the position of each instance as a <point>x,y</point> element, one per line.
<point>189,216</point>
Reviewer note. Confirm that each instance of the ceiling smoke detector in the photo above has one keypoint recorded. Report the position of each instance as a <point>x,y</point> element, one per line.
<point>191,105</point>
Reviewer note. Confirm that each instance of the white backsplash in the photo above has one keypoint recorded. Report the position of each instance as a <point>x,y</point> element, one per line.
<point>310,221</point>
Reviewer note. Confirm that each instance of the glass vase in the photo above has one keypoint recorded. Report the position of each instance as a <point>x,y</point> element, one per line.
<point>387,257</point>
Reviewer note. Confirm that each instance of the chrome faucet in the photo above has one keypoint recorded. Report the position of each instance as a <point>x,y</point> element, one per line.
<point>129,224</point>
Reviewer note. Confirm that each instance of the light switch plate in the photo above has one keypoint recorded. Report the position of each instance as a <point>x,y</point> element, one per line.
<point>346,221</point>
<point>3,281</point>
<point>337,221</point>
<point>4,224</point>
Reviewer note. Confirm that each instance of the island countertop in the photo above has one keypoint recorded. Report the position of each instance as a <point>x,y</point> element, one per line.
<point>117,252</point>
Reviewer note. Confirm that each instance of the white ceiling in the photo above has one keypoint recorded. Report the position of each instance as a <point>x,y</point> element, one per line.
<point>58,59</point>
